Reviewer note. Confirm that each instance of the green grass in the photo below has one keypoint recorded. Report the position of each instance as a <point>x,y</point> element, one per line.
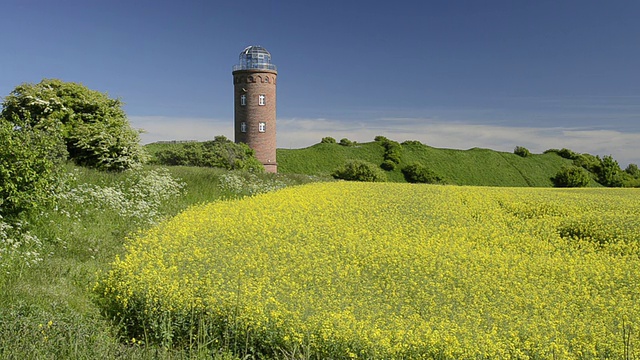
<point>460,167</point>
<point>479,167</point>
<point>49,310</point>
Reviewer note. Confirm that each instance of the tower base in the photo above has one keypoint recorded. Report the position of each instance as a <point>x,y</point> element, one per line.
<point>271,168</point>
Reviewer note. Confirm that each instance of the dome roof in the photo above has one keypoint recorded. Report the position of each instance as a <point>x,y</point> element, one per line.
<point>254,57</point>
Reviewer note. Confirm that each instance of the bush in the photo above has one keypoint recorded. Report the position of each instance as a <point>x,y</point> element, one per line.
<point>29,159</point>
<point>521,151</point>
<point>220,153</point>
<point>94,127</point>
<point>418,173</point>
<point>388,165</point>
<point>359,170</point>
<point>568,154</point>
<point>346,142</point>
<point>328,140</point>
<point>380,138</point>
<point>412,143</point>
<point>572,176</point>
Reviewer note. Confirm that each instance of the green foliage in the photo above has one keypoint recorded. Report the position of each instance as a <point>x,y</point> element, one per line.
<point>521,151</point>
<point>587,161</point>
<point>388,165</point>
<point>347,142</point>
<point>418,173</point>
<point>359,170</point>
<point>568,154</point>
<point>220,152</point>
<point>462,167</point>
<point>412,143</point>
<point>380,138</point>
<point>328,140</point>
<point>94,127</point>
<point>572,176</point>
<point>392,151</point>
<point>29,159</point>
<point>609,173</point>
<point>632,169</point>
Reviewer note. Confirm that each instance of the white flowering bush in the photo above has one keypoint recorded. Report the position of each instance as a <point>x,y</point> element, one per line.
<point>94,127</point>
<point>136,198</point>
<point>18,247</point>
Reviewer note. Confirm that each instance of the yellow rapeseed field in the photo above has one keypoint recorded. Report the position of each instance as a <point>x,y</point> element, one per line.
<point>390,271</point>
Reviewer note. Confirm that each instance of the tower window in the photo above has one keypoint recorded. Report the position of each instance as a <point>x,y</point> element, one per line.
<point>262,127</point>
<point>243,127</point>
<point>243,100</point>
<point>261,99</point>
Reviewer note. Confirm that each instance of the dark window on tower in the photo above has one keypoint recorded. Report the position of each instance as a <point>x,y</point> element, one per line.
<point>243,100</point>
<point>243,127</point>
<point>261,99</point>
<point>262,127</point>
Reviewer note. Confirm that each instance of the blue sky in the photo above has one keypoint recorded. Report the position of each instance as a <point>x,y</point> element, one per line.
<point>455,74</point>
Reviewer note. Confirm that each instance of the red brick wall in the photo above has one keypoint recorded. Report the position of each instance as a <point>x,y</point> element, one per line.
<point>254,83</point>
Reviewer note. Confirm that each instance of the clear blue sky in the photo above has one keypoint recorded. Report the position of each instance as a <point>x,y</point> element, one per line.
<point>456,74</point>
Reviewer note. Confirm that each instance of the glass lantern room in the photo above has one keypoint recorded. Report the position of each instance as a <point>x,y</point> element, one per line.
<point>254,57</point>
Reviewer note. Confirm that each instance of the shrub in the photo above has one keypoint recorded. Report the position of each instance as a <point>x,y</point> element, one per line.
<point>346,142</point>
<point>359,170</point>
<point>418,173</point>
<point>328,140</point>
<point>521,151</point>
<point>29,159</point>
<point>388,165</point>
<point>572,176</point>
<point>220,152</point>
<point>412,143</point>
<point>380,138</point>
<point>568,154</point>
<point>94,127</point>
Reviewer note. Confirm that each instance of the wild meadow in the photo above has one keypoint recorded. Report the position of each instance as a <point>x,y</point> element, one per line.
<point>387,271</point>
<point>50,260</point>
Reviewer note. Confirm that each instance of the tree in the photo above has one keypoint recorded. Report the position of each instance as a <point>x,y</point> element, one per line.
<point>29,163</point>
<point>94,127</point>
<point>632,169</point>
<point>609,173</point>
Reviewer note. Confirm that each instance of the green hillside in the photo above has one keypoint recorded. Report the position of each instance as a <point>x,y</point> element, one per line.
<point>460,167</point>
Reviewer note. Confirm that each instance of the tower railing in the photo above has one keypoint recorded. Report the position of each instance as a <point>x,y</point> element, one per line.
<point>254,66</point>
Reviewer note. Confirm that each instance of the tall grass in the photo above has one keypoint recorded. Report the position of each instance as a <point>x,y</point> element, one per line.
<point>48,310</point>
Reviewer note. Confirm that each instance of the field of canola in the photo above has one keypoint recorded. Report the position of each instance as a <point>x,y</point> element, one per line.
<point>363,270</point>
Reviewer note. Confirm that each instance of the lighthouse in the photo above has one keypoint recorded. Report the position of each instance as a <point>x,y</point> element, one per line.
<point>254,93</point>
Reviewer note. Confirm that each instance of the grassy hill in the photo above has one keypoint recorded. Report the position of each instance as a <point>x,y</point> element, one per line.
<point>461,167</point>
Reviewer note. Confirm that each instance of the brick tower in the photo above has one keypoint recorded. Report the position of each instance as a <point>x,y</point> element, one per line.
<point>254,92</point>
